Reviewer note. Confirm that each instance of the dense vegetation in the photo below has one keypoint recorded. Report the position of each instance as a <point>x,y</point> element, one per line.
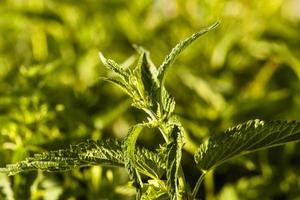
<point>51,95</point>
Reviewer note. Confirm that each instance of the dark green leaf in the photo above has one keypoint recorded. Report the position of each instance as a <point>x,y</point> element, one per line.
<point>173,153</point>
<point>130,160</point>
<point>244,138</point>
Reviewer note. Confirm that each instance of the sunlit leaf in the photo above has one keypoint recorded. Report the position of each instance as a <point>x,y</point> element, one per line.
<point>173,153</point>
<point>103,152</point>
<point>244,138</point>
<point>170,58</point>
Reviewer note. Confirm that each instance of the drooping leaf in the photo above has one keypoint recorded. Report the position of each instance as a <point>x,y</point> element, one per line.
<point>104,152</point>
<point>244,138</point>
<point>169,59</point>
<point>173,153</point>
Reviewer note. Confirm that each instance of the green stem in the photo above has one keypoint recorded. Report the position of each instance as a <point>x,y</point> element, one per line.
<point>209,185</point>
<point>196,188</point>
<point>163,131</point>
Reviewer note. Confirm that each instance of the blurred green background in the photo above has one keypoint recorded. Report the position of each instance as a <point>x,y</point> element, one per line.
<point>51,95</point>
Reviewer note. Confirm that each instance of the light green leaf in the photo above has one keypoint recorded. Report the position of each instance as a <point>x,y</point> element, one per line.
<point>150,68</point>
<point>104,152</point>
<point>146,75</point>
<point>113,66</point>
<point>155,189</point>
<point>130,161</point>
<point>244,138</point>
<point>119,83</point>
<point>170,59</point>
<point>167,102</point>
<point>83,154</point>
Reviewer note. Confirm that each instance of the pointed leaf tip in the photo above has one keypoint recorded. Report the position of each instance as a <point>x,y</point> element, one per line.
<point>175,52</point>
<point>102,58</point>
<point>245,138</point>
<point>214,25</point>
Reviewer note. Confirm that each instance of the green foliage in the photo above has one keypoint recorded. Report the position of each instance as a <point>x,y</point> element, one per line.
<point>178,49</point>
<point>173,154</point>
<point>148,94</point>
<point>145,85</point>
<point>105,152</point>
<point>247,137</point>
<point>51,96</point>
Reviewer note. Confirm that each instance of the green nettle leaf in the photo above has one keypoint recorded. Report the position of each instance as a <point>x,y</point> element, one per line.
<point>244,138</point>
<point>113,66</point>
<point>150,66</point>
<point>130,161</point>
<point>104,152</point>
<point>170,59</point>
<point>144,84</point>
<point>147,73</point>
<point>173,153</point>
<point>167,102</point>
<point>119,83</point>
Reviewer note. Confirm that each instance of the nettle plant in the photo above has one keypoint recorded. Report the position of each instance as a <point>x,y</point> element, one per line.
<point>159,175</point>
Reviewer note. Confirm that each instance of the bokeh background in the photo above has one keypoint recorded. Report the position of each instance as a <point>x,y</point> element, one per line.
<point>51,95</point>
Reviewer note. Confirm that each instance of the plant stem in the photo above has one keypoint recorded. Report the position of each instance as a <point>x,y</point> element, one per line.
<point>196,188</point>
<point>209,185</point>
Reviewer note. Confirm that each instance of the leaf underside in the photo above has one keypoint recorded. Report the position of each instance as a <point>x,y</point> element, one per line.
<point>104,152</point>
<point>244,138</point>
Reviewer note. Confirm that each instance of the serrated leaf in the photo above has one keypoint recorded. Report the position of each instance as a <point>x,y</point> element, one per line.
<point>149,70</point>
<point>130,161</point>
<point>244,138</point>
<point>119,83</point>
<point>104,152</point>
<point>113,66</point>
<point>167,102</point>
<point>83,154</point>
<point>173,152</point>
<point>147,77</point>
<point>169,59</point>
